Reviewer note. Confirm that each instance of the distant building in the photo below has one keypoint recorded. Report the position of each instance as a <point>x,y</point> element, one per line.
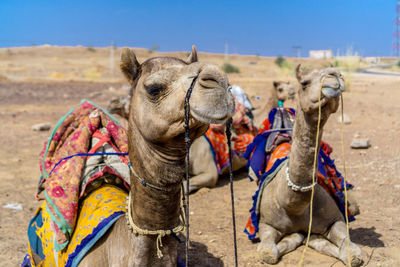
<point>320,54</point>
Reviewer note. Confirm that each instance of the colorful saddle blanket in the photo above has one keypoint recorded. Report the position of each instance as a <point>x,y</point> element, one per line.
<point>87,144</point>
<point>98,212</point>
<point>244,135</point>
<point>267,158</point>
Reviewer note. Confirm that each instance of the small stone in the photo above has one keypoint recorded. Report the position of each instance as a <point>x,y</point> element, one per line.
<point>111,89</point>
<point>357,135</point>
<point>199,232</point>
<point>360,143</point>
<point>376,147</point>
<point>126,87</point>
<point>346,119</point>
<point>192,212</point>
<point>212,241</point>
<point>94,94</point>
<point>41,126</point>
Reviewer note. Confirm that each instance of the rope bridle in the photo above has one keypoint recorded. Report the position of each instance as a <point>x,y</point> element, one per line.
<point>315,174</point>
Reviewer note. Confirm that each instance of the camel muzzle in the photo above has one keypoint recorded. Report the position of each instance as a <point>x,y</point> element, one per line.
<point>333,86</point>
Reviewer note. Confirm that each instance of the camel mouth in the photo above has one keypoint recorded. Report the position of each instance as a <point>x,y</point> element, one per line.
<point>209,118</point>
<point>330,92</point>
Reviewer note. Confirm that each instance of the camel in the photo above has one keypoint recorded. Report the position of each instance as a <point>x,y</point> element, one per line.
<point>284,209</point>
<point>157,152</point>
<point>282,91</point>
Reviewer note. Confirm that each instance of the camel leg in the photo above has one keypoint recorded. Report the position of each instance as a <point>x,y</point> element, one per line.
<point>322,245</point>
<point>267,248</point>
<point>207,179</point>
<point>203,170</point>
<point>337,235</point>
<point>289,243</point>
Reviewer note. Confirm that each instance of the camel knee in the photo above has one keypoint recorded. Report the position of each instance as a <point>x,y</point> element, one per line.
<point>268,250</point>
<point>290,243</point>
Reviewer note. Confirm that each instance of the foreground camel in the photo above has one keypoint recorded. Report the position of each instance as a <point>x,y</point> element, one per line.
<point>157,152</point>
<point>203,170</point>
<point>284,212</point>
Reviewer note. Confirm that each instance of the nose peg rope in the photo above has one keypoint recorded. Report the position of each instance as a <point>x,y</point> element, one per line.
<point>314,178</point>
<point>185,200</point>
<point>228,138</point>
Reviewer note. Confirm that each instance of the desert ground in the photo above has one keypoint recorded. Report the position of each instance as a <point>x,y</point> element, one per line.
<point>41,84</point>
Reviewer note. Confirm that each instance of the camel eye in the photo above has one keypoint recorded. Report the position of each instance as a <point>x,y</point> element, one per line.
<point>280,90</point>
<point>154,89</point>
<point>305,83</point>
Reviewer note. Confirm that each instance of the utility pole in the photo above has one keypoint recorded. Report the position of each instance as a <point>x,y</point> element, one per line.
<point>226,51</point>
<point>112,58</point>
<point>396,32</point>
<point>298,50</point>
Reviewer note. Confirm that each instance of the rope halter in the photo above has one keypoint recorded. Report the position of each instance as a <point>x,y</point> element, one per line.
<point>159,233</point>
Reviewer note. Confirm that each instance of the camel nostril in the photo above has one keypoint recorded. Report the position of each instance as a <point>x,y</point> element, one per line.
<point>209,81</point>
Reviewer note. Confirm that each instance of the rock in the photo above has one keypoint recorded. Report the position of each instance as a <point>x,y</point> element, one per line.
<point>13,206</point>
<point>41,126</point>
<point>346,119</point>
<point>111,89</point>
<point>199,232</point>
<point>212,241</point>
<point>94,94</point>
<point>360,143</point>
<point>192,212</point>
<point>126,87</point>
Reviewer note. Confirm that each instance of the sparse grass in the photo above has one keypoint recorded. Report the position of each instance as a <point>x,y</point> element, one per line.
<point>229,68</point>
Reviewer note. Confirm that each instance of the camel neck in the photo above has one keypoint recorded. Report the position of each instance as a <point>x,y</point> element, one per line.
<point>302,154</point>
<point>155,209</point>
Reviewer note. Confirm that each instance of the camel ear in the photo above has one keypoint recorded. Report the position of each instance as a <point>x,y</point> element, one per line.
<point>299,73</point>
<point>129,65</point>
<point>276,84</point>
<point>193,55</point>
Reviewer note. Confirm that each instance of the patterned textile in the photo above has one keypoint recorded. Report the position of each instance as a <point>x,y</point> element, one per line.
<point>244,135</point>
<point>63,178</point>
<point>98,213</point>
<point>264,166</point>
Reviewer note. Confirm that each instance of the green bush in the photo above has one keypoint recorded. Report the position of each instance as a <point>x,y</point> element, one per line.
<point>279,61</point>
<point>229,68</point>
<point>283,63</point>
<point>398,64</point>
<point>154,48</point>
<point>91,49</point>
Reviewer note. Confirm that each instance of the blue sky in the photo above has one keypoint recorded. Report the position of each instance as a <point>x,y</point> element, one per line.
<point>267,28</point>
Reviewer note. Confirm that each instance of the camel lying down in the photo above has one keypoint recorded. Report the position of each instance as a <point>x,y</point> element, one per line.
<point>285,202</point>
<point>157,156</point>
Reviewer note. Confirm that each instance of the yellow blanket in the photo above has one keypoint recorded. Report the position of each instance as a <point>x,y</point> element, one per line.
<point>97,213</point>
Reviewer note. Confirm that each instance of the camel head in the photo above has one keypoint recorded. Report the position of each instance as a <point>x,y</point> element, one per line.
<point>159,87</point>
<point>284,90</point>
<point>310,85</point>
